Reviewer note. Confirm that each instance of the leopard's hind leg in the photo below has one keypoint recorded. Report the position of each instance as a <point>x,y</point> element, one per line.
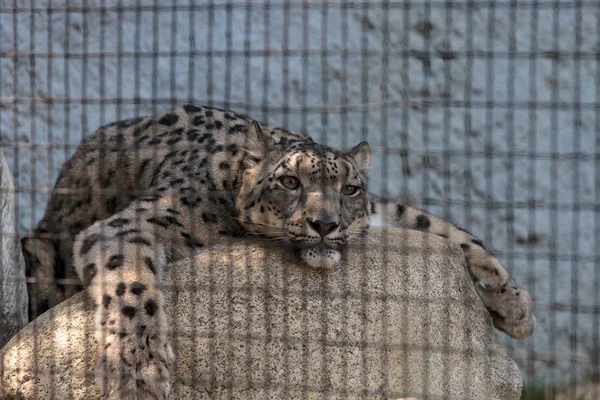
<point>41,269</point>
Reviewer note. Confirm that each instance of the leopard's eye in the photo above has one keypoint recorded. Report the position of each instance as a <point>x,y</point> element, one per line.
<point>289,182</point>
<point>350,190</point>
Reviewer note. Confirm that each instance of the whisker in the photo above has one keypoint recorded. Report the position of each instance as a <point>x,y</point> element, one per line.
<point>256,223</point>
<point>275,228</point>
<point>268,236</point>
<point>361,239</point>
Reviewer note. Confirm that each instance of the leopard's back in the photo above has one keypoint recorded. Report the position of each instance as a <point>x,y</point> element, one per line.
<point>126,160</point>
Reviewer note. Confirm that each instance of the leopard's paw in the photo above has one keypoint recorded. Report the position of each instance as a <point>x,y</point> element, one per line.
<point>487,272</point>
<point>134,355</point>
<point>140,372</point>
<point>511,309</point>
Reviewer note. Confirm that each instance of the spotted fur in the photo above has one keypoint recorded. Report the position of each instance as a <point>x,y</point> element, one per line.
<point>142,192</point>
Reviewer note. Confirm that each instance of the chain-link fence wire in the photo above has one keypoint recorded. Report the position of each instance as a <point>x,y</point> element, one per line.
<point>483,112</point>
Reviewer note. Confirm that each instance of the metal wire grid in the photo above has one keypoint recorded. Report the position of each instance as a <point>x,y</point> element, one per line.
<point>24,101</point>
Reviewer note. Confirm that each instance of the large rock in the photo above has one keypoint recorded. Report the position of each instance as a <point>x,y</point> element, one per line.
<point>13,289</point>
<point>399,317</point>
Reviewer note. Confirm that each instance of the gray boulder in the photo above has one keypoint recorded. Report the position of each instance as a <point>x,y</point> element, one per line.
<point>13,289</point>
<point>398,317</point>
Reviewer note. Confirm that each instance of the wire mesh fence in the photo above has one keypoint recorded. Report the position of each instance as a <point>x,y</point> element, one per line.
<point>485,113</point>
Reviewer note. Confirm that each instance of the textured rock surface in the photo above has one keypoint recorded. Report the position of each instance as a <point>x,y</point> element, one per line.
<point>399,317</point>
<point>13,290</point>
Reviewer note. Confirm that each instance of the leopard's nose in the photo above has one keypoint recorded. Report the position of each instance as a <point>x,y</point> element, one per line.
<point>323,228</point>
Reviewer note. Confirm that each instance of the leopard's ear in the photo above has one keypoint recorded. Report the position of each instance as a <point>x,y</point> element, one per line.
<point>258,144</point>
<point>360,155</point>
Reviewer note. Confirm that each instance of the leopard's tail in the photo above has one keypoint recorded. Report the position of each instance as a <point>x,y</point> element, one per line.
<point>384,212</point>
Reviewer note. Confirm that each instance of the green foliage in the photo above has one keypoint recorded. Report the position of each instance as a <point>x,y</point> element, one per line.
<point>537,389</point>
<point>540,389</point>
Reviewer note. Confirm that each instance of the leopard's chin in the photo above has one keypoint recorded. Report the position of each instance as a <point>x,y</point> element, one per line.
<point>320,256</point>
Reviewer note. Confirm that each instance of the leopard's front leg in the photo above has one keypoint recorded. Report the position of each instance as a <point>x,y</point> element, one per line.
<point>120,259</point>
<point>510,306</point>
